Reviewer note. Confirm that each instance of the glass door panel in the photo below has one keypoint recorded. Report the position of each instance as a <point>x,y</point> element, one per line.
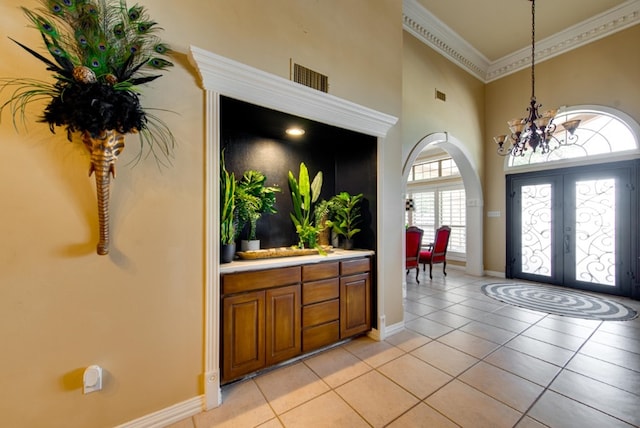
<point>535,231</point>
<point>595,232</point>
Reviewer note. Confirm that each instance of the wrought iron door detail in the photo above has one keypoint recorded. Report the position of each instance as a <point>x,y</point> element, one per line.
<point>536,235</point>
<point>595,225</point>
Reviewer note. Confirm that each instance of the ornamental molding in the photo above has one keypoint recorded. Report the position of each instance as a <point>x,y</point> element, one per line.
<point>436,34</point>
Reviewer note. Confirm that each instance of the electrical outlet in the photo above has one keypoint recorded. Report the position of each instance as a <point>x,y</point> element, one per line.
<point>92,379</point>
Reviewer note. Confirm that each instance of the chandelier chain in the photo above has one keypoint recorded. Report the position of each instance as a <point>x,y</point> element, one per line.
<point>533,48</point>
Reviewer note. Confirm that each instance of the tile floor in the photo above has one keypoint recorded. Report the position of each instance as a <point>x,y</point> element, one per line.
<point>463,360</point>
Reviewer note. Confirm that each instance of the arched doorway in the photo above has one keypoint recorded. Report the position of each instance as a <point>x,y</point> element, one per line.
<point>473,189</point>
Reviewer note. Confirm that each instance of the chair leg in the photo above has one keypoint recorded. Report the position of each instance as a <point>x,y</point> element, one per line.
<point>430,270</point>
<point>417,272</point>
<point>444,268</point>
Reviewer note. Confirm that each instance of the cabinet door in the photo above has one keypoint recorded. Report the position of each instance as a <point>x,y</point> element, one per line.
<point>243,335</point>
<point>283,323</point>
<point>355,304</point>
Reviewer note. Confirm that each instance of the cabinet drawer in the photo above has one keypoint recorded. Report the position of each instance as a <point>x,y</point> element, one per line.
<point>260,279</point>
<point>319,291</point>
<point>321,335</point>
<point>319,271</point>
<point>349,267</point>
<point>320,313</point>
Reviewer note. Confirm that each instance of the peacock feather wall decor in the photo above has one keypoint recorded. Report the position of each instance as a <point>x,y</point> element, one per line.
<point>99,52</point>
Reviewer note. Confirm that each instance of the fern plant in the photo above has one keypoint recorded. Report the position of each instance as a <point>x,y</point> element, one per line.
<point>253,199</point>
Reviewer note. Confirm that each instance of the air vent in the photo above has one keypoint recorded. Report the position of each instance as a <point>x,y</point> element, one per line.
<point>310,78</point>
<point>441,96</point>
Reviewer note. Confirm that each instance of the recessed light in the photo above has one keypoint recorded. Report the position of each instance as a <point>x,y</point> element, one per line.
<point>295,131</point>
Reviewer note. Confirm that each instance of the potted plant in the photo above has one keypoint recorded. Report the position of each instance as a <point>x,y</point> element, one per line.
<point>304,195</point>
<point>345,216</point>
<point>253,199</point>
<point>227,209</point>
<point>99,54</point>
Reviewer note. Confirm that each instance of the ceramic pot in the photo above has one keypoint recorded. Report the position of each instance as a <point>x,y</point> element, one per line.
<point>227,252</point>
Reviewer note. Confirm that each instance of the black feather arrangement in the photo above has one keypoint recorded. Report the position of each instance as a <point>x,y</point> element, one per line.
<point>100,52</point>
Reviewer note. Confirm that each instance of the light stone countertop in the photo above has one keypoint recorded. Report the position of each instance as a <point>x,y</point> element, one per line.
<point>277,262</point>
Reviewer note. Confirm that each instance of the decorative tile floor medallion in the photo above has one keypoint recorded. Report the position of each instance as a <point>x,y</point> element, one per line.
<point>559,301</point>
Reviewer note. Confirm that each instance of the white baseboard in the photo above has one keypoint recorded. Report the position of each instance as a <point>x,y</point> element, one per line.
<point>168,415</point>
<point>393,329</point>
<point>494,274</point>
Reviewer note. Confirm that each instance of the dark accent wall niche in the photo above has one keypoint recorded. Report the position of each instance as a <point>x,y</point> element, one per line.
<point>253,137</point>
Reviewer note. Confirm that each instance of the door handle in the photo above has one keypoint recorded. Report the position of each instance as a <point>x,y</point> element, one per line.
<point>567,244</point>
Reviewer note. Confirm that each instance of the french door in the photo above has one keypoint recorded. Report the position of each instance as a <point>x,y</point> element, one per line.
<point>575,227</point>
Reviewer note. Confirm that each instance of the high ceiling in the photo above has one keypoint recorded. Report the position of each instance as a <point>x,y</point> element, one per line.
<point>499,27</point>
<point>492,37</point>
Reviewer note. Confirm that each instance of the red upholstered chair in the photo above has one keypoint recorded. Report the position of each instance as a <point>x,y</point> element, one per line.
<point>413,241</point>
<point>436,252</point>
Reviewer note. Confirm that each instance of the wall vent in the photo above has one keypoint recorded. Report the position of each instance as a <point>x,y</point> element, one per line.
<point>310,78</point>
<point>441,96</point>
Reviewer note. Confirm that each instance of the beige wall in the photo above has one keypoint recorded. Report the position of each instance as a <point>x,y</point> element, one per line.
<point>139,311</point>
<point>462,115</point>
<point>603,73</point>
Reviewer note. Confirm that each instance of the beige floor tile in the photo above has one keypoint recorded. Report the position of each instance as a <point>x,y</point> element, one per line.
<point>448,318</point>
<point>428,328</point>
<point>611,374</point>
<point>468,407</point>
<point>373,353</point>
<point>337,366</point>
<point>554,337</point>
<point>558,411</point>
<point>376,398</point>
<point>242,405</point>
<point>524,365</point>
<point>327,410</point>
<point>468,343</point>
<point>445,358</point>
<point>502,385</point>
<point>606,398</point>
<point>488,332</point>
<point>422,416</point>
<point>527,422</point>
<point>407,340</point>
<point>414,375</point>
<point>545,351</point>
<point>272,423</point>
<point>290,386</point>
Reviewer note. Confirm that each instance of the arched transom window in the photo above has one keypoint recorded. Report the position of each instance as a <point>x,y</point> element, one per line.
<point>586,132</point>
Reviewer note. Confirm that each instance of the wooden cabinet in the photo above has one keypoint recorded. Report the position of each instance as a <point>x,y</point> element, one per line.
<point>282,323</point>
<point>272,315</point>
<point>355,297</point>
<point>259,328</point>
<point>243,335</point>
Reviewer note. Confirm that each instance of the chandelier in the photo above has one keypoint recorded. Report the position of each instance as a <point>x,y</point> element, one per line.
<point>536,129</point>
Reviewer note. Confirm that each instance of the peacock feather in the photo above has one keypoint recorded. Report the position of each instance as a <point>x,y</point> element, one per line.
<point>101,51</point>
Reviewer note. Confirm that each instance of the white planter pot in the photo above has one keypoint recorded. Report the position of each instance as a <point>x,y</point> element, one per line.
<point>252,245</point>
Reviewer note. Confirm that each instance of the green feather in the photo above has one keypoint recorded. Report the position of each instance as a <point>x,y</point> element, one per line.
<point>42,24</point>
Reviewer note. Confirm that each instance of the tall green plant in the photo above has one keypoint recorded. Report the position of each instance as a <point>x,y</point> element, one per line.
<point>304,195</point>
<point>253,199</point>
<point>227,204</point>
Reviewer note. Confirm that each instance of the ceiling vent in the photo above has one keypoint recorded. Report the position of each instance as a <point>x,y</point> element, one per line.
<point>441,96</point>
<point>310,78</point>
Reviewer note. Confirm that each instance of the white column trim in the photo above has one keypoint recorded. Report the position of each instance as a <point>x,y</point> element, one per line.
<point>223,76</point>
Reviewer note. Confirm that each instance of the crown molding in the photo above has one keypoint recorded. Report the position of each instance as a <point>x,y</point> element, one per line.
<point>433,32</point>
